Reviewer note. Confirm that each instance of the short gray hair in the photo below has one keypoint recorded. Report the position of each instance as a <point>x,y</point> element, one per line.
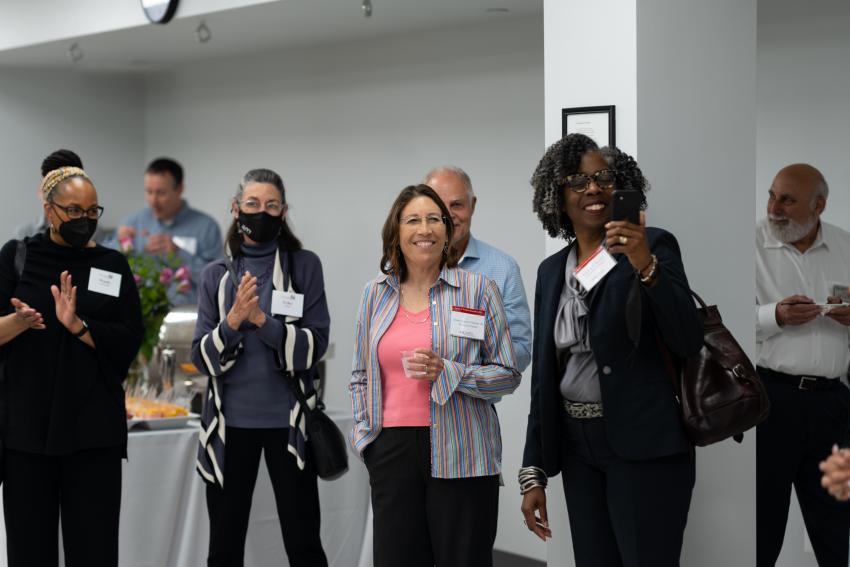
<point>461,174</point>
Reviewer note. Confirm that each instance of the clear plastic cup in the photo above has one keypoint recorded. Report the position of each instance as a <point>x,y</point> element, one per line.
<point>408,356</point>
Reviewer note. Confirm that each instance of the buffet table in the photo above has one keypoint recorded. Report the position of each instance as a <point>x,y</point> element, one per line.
<point>164,518</point>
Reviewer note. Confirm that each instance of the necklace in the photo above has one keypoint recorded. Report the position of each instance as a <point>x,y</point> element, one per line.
<point>405,313</point>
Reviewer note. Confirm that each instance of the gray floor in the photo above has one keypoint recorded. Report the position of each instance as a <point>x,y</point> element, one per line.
<point>502,559</point>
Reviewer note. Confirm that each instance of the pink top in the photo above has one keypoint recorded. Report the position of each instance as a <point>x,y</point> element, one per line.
<point>406,402</point>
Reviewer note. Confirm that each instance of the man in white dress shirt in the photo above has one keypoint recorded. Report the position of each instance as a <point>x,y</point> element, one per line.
<point>803,352</point>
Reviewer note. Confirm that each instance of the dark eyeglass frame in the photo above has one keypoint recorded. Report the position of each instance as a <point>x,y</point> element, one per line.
<point>93,213</point>
<point>571,182</point>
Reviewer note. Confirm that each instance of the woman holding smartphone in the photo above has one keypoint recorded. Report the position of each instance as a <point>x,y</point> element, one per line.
<point>603,412</point>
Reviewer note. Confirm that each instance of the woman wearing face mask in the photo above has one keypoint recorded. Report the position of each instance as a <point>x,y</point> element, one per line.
<point>70,326</point>
<point>262,317</point>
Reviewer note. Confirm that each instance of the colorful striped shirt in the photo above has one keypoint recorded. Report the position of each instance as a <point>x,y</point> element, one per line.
<point>465,436</point>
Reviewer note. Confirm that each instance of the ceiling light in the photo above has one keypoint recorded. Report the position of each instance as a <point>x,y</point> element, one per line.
<point>203,33</point>
<point>367,8</point>
<point>75,54</point>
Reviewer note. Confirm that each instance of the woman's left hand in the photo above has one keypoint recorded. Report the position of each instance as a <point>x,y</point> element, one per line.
<point>626,238</point>
<point>65,297</point>
<point>431,364</point>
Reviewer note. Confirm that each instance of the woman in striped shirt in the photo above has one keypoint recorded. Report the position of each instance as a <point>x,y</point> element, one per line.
<point>426,426</point>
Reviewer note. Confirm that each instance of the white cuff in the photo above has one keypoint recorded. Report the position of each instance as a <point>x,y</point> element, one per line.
<point>767,325</point>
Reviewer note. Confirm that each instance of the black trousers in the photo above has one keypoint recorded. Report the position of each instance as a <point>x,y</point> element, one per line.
<point>420,521</point>
<point>295,491</point>
<point>85,486</point>
<point>623,513</point>
<point>798,434</point>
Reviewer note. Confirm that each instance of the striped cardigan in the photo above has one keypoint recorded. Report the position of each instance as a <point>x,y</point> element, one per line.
<point>304,343</point>
<point>465,436</point>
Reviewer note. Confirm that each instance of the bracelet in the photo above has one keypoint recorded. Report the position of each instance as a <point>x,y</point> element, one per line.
<point>653,270</point>
<point>82,331</point>
<point>531,477</point>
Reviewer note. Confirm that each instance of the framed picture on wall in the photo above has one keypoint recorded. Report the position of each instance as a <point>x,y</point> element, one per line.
<point>595,122</point>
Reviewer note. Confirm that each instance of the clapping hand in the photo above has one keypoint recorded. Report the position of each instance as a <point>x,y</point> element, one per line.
<point>246,304</point>
<point>26,316</point>
<point>65,297</point>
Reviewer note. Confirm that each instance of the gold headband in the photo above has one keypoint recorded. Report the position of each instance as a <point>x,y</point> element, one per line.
<point>57,176</point>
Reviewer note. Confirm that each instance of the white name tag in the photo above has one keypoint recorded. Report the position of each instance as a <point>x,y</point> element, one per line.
<point>594,268</point>
<point>287,303</point>
<point>187,243</point>
<point>467,323</point>
<point>107,283</point>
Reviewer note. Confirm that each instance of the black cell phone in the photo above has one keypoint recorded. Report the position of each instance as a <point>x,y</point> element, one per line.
<point>626,206</point>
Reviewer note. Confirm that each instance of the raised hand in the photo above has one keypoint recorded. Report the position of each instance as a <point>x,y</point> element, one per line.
<point>65,298</point>
<point>26,316</point>
<point>623,237</point>
<point>245,303</point>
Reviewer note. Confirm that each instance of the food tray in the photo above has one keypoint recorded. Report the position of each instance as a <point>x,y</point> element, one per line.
<point>157,423</point>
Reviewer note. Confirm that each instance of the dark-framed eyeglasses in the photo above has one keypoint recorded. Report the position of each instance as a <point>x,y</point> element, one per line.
<point>579,182</point>
<point>75,212</point>
<point>430,220</point>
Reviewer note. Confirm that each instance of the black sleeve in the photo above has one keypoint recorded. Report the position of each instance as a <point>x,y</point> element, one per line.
<point>8,277</point>
<point>532,455</point>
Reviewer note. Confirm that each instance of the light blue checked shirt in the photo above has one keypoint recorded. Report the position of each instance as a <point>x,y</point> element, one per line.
<point>489,261</point>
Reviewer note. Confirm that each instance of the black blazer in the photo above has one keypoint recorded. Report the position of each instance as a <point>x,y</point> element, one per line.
<point>641,415</point>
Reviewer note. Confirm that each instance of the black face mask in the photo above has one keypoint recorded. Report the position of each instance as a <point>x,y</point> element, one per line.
<point>77,232</point>
<point>259,227</point>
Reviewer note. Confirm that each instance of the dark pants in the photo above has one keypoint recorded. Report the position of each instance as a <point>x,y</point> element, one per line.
<point>623,513</point>
<point>420,521</point>
<point>85,486</point>
<point>296,495</point>
<point>798,434</point>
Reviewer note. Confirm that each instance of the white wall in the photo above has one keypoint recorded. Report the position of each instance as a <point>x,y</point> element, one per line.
<point>98,116</point>
<point>348,126</point>
<point>686,108</point>
<point>803,94</point>
<point>696,118</point>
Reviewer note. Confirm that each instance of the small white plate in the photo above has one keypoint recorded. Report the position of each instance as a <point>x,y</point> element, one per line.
<point>156,423</point>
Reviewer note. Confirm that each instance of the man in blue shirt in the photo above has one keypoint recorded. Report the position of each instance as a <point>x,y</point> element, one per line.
<point>454,187</point>
<point>168,225</point>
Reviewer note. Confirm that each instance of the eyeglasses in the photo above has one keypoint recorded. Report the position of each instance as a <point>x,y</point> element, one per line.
<point>579,182</point>
<point>431,220</point>
<point>75,212</point>
<point>273,208</point>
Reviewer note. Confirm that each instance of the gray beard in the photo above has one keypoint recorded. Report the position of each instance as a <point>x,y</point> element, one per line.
<point>793,231</point>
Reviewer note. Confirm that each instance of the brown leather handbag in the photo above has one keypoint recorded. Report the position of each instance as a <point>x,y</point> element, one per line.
<point>720,394</point>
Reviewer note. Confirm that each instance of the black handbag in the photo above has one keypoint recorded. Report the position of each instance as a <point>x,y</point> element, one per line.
<point>720,394</point>
<point>326,442</point>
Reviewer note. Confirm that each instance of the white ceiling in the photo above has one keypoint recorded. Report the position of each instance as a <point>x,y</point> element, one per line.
<point>265,27</point>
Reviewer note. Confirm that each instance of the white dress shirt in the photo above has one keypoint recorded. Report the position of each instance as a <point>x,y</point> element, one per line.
<point>820,347</point>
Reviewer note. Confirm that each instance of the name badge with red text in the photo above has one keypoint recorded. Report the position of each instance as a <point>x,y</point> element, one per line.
<point>594,268</point>
<point>468,323</point>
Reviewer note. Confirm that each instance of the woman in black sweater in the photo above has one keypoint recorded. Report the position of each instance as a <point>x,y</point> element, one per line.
<point>71,324</point>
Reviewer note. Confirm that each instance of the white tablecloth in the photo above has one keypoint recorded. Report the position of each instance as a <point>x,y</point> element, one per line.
<point>164,518</point>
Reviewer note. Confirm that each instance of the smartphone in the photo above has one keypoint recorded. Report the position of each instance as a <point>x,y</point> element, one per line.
<point>626,206</point>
